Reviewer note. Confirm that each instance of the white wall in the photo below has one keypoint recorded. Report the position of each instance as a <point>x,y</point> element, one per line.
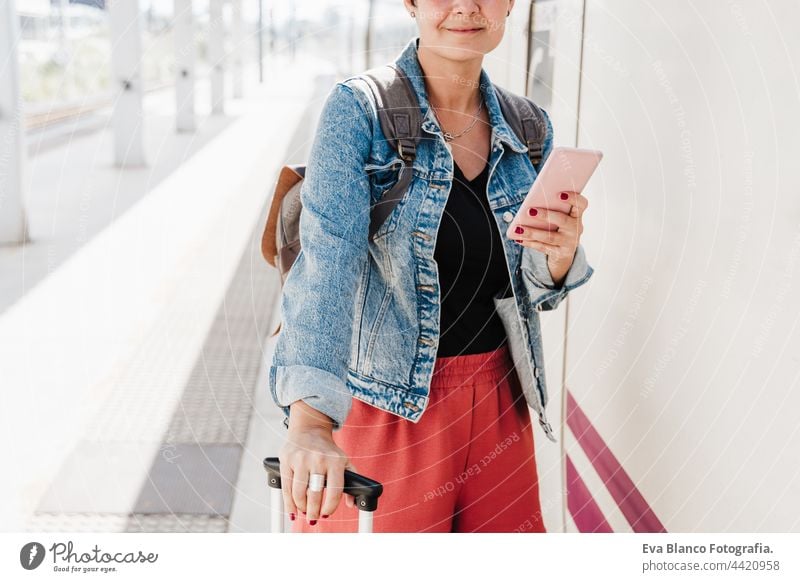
<point>685,351</point>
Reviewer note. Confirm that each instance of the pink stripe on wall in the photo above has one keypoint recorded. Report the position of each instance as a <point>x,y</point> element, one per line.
<point>585,512</point>
<point>631,502</point>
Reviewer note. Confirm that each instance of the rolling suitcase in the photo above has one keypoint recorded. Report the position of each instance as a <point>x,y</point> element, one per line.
<point>364,490</point>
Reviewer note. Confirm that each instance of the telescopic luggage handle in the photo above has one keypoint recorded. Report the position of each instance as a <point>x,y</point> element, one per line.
<point>364,490</point>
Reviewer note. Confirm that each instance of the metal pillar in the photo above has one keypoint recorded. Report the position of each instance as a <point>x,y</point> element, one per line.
<point>126,57</point>
<point>216,55</point>
<point>271,30</point>
<point>65,49</point>
<point>352,41</point>
<point>260,41</point>
<point>13,226</point>
<point>237,40</point>
<point>293,31</point>
<point>368,34</point>
<point>184,66</point>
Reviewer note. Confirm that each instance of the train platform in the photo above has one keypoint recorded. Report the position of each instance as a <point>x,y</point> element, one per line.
<point>135,341</point>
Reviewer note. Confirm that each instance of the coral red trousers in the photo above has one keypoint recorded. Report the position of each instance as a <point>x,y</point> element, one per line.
<point>468,465</point>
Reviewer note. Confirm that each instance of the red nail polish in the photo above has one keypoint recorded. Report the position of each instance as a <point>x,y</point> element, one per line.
<point>564,195</point>
<point>313,522</point>
<point>519,230</point>
<point>519,241</point>
<point>326,516</point>
<point>533,212</point>
<point>303,512</point>
<point>292,516</point>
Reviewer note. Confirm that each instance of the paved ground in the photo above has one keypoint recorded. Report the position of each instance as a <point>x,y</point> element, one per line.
<point>134,329</point>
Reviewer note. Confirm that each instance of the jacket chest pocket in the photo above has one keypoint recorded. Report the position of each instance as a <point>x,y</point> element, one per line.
<point>381,178</point>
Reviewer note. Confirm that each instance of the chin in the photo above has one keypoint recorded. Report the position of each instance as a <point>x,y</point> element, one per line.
<point>463,49</point>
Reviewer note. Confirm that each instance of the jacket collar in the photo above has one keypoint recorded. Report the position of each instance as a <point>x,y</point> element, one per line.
<point>409,62</point>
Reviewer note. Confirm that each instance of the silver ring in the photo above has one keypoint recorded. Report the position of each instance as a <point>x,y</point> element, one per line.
<point>316,482</point>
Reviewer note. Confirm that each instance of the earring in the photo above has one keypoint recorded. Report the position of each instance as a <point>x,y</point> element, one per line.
<point>412,15</point>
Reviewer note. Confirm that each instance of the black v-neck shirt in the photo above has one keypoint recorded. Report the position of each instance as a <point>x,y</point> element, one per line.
<point>472,269</point>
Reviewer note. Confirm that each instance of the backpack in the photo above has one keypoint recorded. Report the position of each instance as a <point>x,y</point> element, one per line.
<point>400,119</point>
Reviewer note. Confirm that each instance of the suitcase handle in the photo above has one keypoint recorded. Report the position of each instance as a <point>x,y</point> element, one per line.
<point>364,490</point>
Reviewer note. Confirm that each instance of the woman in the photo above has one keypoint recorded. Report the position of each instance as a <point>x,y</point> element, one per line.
<point>413,358</point>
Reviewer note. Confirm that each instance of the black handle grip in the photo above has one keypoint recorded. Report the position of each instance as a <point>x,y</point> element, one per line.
<point>364,490</point>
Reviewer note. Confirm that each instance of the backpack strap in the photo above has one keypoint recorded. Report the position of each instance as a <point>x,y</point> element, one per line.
<point>527,120</point>
<point>401,121</point>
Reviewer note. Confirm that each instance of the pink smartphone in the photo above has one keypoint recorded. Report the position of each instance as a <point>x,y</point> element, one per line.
<point>566,170</point>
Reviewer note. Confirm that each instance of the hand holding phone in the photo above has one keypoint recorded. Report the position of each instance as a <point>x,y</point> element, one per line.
<point>565,170</point>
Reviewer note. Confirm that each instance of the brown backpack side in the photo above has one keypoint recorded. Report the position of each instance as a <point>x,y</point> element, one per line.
<point>280,242</point>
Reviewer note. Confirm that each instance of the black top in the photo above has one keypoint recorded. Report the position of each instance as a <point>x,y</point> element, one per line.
<point>472,269</point>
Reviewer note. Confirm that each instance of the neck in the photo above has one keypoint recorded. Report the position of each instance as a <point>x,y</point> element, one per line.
<point>451,85</point>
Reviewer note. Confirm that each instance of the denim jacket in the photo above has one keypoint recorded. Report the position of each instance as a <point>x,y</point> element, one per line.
<point>360,318</point>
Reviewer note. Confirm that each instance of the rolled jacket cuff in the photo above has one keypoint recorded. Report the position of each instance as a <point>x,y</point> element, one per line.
<point>318,388</point>
<point>544,292</point>
<point>579,272</point>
